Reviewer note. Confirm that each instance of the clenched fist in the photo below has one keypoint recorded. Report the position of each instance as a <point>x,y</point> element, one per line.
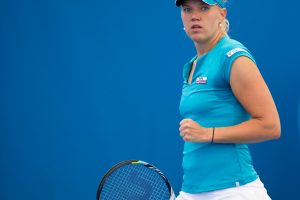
<point>191,131</point>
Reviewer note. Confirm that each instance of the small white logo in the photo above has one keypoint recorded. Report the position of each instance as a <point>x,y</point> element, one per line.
<point>233,51</point>
<point>201,80</point>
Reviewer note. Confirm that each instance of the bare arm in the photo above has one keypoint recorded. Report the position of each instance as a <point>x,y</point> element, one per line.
<point>252,92</point>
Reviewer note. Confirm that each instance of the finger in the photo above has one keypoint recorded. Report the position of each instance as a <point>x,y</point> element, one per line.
<point>185,121</point>
<point>185,124</point>
<point>180,128</point>
<point>186,138</point>
<point>181,133</point>
<point>181,122</point>
<point>184,128</point>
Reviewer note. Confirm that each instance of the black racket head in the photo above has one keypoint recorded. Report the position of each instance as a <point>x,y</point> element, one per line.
<point>134,180</point>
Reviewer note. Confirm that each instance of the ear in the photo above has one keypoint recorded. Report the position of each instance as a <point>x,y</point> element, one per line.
<point>223,13</point>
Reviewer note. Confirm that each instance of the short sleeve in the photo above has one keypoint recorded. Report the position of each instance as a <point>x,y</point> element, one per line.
<point>231,56</point>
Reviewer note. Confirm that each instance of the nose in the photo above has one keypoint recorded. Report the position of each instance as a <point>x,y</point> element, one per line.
<point>195,16</point>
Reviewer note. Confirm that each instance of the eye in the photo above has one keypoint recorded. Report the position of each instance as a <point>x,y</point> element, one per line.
<point>186,9</point>
<point>204,8</point>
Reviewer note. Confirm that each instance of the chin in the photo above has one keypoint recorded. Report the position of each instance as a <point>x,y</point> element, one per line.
<point>198,38</point>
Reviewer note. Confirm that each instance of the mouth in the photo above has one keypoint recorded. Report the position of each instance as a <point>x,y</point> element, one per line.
<point>196,27</point>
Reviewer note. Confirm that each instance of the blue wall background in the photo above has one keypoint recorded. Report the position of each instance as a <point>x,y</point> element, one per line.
<point>86,84</point>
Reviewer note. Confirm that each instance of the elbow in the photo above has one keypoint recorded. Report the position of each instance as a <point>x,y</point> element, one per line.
<point>270,127</point>
<point>277,129</point>
<point>274,130</point>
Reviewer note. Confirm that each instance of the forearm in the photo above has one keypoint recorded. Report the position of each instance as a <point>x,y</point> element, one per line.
<point>251,131</point>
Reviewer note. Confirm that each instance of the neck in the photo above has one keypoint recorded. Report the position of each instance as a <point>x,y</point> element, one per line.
<point>205,46</point>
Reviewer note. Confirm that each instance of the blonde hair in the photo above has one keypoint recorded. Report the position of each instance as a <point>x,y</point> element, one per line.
<point>225,26</point>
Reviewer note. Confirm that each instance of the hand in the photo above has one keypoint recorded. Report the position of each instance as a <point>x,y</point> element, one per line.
<point>191,131</point>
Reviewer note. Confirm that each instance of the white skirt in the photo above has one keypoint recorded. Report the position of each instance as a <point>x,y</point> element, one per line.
<point>254,190</point>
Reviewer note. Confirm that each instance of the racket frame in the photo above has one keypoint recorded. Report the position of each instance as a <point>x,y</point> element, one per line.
<point>128,162</point>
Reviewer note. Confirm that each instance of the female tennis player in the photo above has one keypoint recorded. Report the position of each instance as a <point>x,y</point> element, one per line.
<point>225,105</point>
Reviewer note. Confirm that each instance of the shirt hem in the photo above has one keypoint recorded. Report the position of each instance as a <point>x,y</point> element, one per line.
<point>210,188</point>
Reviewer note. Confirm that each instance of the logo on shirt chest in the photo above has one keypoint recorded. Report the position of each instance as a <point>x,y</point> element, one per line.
<point>201,80</point>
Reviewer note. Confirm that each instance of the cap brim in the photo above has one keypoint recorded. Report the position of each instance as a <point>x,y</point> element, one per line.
<point>179,2</point>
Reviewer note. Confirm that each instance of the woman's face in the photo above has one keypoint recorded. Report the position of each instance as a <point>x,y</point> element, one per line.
<point>201,21</point>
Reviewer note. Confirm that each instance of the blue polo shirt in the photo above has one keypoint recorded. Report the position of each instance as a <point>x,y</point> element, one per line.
<point>209,100</point>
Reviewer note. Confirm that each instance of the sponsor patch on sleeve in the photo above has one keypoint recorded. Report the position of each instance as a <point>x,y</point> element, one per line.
<point>233,51</point>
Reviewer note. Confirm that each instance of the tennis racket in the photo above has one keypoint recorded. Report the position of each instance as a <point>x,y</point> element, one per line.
<point>134,180</point>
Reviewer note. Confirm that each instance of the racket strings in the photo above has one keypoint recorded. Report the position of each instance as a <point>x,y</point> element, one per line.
<point>135,182</point>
